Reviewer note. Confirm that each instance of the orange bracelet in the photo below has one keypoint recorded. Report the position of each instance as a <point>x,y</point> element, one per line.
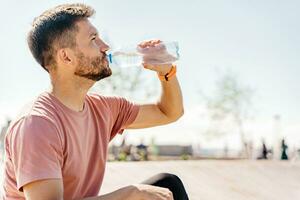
<point>169,75</point>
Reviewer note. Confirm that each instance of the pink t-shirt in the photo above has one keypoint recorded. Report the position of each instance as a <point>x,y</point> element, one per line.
<point>51,141</point>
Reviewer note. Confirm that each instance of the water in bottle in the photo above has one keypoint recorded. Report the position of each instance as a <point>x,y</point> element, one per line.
<point>161,53</point>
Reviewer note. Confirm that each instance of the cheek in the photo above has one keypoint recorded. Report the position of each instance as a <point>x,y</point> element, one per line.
<point>90,50</point>
<point>92,53</point>
<point>94,47</point>
<point>82,63</point>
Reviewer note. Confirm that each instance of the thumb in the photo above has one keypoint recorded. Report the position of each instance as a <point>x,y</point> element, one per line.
<point>149,66</point>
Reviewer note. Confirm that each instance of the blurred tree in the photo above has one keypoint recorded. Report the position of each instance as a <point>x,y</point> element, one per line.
<point>230,102</point>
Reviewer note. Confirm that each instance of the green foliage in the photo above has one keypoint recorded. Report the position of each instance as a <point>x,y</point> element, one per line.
<point>230,98</point>
<point>122,157</point>
<point>229,104</point>
<point>185,157</point>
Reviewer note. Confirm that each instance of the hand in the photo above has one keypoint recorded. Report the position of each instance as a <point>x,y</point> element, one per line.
<point>149,192</point>
<point>156,56</point>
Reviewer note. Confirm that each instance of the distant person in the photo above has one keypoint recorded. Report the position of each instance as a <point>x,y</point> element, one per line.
<point>264,151</point>
<point>57,149</point>
<point>284,148</point>
<point>142,151</point>
<point>225,151</point>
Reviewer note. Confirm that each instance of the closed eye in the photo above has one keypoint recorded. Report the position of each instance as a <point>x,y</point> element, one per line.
<point>93,36</point>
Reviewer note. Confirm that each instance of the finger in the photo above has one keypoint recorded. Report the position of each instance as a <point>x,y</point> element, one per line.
<point>143,44</point>
<point>156,41</point>
<point>172,197</point>
<point>152,43</point>
<point>169,192</point>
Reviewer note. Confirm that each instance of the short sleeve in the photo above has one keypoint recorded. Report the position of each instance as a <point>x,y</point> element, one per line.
<point>36,151</point>
<point>123,113</point>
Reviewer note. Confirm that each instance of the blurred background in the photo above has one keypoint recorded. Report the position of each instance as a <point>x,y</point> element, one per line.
<point>238,69</point>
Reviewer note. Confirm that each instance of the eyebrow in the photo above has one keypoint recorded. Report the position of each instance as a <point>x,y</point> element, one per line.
<point>94,33</point>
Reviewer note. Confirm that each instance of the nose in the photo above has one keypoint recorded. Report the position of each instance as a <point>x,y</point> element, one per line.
<point>104,47</point>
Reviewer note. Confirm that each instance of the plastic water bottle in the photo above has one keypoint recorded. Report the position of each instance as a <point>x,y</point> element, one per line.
<point>161,53</point>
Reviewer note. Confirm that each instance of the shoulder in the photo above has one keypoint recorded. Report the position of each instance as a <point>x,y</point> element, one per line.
<point>42,106</point>
<point>32,125</point>
<point>39,113</point>
<point>31,130</point>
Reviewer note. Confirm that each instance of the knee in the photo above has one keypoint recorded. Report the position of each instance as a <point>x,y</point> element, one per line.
<point>171,177</point>
<point>175,184</point>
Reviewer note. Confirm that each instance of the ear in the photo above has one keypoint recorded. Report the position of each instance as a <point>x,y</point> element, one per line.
<point>65,56</point>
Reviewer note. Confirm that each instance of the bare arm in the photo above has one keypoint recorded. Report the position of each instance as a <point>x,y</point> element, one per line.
<point>171,102</point>
<point>137,192</point>
<point>168,109</point>
<point>125,193</point>
<point>52,189</point>
<point>49,189</point>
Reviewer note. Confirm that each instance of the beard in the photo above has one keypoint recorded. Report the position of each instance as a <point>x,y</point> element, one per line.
<point>95,68</point>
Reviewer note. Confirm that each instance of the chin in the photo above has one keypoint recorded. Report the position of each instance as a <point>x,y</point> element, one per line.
<point>106,72</point>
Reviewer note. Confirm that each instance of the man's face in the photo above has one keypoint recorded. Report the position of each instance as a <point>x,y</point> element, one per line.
<point>90,53</point>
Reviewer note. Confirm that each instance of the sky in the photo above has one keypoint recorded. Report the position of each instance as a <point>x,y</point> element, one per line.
<point>257,40</point>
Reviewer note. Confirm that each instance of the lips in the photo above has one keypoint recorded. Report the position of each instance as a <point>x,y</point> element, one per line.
<point>105,61</point>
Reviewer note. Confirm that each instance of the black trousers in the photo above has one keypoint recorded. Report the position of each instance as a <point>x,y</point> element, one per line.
<point>170,181</point>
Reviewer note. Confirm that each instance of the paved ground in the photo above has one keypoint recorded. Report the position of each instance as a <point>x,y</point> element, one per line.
<point>215,180</point>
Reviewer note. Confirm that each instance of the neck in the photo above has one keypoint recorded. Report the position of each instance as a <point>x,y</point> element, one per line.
<point>71,91</point>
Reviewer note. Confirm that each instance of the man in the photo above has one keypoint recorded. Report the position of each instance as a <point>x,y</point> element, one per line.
<point>57,148</point>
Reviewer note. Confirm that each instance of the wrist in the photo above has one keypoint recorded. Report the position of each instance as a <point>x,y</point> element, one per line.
<point>169,75</point>
<point>163,73</point>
